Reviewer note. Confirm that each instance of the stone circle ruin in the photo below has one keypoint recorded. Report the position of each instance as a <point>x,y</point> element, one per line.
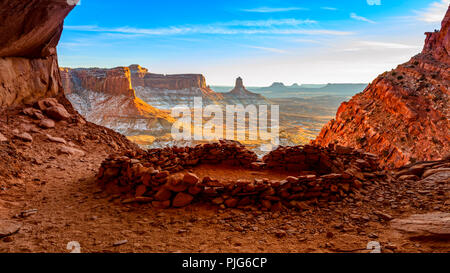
<point>159,177</point>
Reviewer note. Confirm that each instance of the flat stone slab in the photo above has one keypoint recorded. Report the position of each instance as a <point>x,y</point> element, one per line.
<point>436,224</point>
<point>8,228</point>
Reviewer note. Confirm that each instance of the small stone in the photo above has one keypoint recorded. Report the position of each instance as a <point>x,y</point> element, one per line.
<point>163,195</point>
<point>231,203</point>
<point>71,151</point>
<point>383,215</point>
<point>119,243</point>
<point>33,113</point>
<point>161,204</point>
<point>27,213</point>
<point>194,190</point>
<point>47,124</point>
<point>175,183</point>
<point>141,190</point>
<point>190,179</point>
<point>8,228</point>
<point>24,137</point>
<point>280,233</point>
<point>266,204</point>
<point>3,138</point>
<point>56,139</point>
<point>57,112</point>
<point>182,199</point>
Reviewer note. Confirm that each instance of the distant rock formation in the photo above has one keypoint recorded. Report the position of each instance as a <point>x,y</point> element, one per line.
<point>403,114</point>
<point>240,95</point>
<point>279,90</point>
<point>167,91</point>
<point>106,97</point>
<point>30,31</point>
<point>278,85</point>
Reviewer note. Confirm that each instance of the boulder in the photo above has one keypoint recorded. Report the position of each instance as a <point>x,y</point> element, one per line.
<point>430,225</point>
<point>190,179</point>
<point>430,172</point>
<point>57,112</point>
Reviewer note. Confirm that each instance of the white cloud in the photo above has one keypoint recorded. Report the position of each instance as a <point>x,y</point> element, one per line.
<point>435,12</point>
<point>328,8</point>
<point>269,49</point>
<point>268,23</point>
<point>375,45</point>
<point>307,41</point>
<point>385,45</point>
<point>360,18</point>
<point>283,26</point>
<point>272,10</point>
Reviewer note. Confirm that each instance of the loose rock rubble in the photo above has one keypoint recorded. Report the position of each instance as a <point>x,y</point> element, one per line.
<point>157,177</point>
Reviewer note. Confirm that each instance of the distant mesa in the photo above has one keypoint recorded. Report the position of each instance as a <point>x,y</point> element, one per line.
<point>106,97</point>
<point>278,84</point>
<point>142,77</point>
<point>168,91</point>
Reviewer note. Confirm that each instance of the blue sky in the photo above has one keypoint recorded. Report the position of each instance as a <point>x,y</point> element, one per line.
<point>262,41</point>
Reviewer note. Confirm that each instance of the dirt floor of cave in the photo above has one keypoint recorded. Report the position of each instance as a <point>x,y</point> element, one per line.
<point>227,174</point>
<point>70,207</point>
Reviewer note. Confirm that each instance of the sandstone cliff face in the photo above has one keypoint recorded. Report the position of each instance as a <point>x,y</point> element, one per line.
<point>168,91</point>
<point>105,97</point>
<point>30,31</point>
<point>403,114</point>
<point>114,81</point>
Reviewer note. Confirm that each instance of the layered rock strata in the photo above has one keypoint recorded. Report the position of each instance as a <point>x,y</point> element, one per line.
<point>106,97</point>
